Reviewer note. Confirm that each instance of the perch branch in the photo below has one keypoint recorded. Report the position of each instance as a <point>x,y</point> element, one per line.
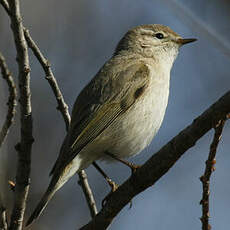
<point>25,145</point>
<point>160,163</point>
<point>11,99</point>
<point>205,178</point>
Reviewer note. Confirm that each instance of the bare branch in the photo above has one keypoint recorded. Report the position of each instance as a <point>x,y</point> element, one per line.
<point>8,122</point>
<point>3,220</point>
<point>25,146</point>
<point>5,6</point>
<point>205,178</point>
<point>11,99</point>
<point>83,182</point>
<point>62,106</point>
<point>160,163</point>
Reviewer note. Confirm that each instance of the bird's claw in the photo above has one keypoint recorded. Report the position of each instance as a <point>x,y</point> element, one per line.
<point>134,167</point>
<point>114,186</point>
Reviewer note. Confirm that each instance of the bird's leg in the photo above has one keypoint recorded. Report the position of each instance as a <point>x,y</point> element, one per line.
<point>111,183</point>
<point>132,166</point>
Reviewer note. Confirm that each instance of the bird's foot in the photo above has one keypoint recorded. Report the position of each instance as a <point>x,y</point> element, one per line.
<point>114,186</point>
<point>132,166</point>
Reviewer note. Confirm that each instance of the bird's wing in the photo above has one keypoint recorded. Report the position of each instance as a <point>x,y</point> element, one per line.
<point>101,102</point>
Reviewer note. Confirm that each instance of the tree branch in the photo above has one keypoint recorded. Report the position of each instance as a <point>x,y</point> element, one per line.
<point>8,122</point>
<point>205,179</point>
<point>3,220</point>
<point>62,106</point>
<point>160,163</point>
<point>5,6</point>
<point>88,193</point>
<point>25,146</point>
<point>11,99</point>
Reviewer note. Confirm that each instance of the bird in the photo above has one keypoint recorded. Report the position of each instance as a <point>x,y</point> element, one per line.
<point>122,108</point>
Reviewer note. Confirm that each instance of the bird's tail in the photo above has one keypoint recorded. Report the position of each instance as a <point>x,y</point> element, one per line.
<point>60,177</point>
<point>42,204</point>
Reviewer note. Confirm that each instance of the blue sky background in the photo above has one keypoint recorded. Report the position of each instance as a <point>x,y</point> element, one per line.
<point>78,37</point>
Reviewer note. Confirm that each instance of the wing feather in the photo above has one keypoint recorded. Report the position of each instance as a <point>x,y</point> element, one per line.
<point>105,100</point>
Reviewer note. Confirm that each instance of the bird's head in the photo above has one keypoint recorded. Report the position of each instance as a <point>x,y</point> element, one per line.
<point>152,41</point>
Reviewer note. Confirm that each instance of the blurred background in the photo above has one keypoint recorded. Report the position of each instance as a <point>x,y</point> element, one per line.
<point>78,37</point>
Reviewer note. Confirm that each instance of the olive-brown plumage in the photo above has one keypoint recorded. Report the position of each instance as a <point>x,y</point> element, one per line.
<point>122,107</point>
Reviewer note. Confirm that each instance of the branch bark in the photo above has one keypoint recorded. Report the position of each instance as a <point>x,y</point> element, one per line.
<point>205,178</point>
<point>5,6</point>
<point>11,99</point>
<point>62,106</point>
<point>6,126</point>
<point>160,163</point>
<point>25,146</point>
<point>83,182</point>
<point>3,219</point>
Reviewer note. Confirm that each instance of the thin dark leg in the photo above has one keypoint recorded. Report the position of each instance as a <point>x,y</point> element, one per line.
<point>111,183</point>
<point>132,166</point>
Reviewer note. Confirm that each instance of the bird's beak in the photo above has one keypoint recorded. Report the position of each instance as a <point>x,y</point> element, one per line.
<point>183,41</point>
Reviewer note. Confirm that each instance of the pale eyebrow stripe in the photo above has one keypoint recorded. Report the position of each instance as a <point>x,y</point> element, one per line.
<point>147,32</point>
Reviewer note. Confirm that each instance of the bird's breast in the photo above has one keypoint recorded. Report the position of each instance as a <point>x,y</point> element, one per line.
<point>134,130</point>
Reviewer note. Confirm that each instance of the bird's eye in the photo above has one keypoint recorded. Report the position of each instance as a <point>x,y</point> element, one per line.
<point>159,35</point>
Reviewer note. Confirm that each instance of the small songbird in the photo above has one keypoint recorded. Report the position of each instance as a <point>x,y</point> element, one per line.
<point>122,107</point>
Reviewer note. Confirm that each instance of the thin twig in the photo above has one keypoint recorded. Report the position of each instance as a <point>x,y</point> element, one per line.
<point>5,6</point>
<point>88,193</point>
<point>62,106</point>
<point>205,178</point>
<point>160,163</point>
<point>3,219</point>
<point>8,122</point>
<point>25,146</point>
<point>11,99</point>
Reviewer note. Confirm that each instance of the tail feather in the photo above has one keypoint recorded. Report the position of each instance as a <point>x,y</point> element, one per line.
<point>60,177</point>
<point>41,206</point>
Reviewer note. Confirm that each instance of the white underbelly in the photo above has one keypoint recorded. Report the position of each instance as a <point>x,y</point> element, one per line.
<point>135,129</point>
<point>132,131</point>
